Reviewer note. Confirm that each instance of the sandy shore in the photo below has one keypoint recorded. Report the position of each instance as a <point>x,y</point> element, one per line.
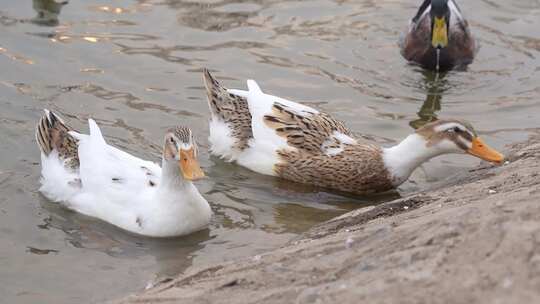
<point>475,240</point>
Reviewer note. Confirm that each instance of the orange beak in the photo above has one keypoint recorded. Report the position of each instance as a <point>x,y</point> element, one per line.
<point>485,152</point>
<point>189,165</point>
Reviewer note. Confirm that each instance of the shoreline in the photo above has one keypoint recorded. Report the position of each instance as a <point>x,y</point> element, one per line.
<point>474,239</point>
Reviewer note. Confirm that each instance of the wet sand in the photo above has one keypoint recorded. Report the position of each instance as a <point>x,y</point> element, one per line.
<point>474,238</point>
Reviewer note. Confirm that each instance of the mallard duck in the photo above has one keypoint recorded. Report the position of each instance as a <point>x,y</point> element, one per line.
<point>47,11</point>
<point>89,176</point>
<point>438,27</point>
<point>278,137</point>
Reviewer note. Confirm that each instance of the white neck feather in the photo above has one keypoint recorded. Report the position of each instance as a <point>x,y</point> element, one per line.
<point>402,159</point>
<point>171,177</point>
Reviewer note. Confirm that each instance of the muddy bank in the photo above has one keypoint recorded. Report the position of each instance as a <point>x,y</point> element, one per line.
<point>476,240</point>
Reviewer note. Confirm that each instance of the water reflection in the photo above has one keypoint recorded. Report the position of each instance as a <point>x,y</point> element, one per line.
<point>47,12</point>
<point>207,17</point>
<point>435,85</point>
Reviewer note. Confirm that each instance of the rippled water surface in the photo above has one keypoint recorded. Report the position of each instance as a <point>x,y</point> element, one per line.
<point>135,66</point>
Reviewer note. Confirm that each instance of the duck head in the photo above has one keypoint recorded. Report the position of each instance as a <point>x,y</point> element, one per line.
<point>455,136</point>
<point>180,147</point>
<point>440,23</point>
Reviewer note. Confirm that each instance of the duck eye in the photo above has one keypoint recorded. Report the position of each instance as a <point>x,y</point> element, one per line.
<point>171,140</point>
<point>456,129</point>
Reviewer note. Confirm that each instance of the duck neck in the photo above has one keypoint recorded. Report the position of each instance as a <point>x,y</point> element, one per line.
<point>171,177</point>
<point>402,159</point>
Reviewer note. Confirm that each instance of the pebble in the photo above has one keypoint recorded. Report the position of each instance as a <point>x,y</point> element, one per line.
<point>405,207</point>
<point>257,258</point>
<point>349,242</point>
<point>491,191</point>
<point>507,283</point>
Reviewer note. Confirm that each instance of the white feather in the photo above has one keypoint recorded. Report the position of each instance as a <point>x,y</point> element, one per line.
<point>261,155</point>
<point>221,141</point>
<point>57,183</point>
<point>114,186</point>
<point>337,138</point>
<point>402,159</point>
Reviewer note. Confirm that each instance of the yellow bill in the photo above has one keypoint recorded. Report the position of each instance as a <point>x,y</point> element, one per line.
<point>439,35</point>
<point>189,165</point>
<point>485,152</point>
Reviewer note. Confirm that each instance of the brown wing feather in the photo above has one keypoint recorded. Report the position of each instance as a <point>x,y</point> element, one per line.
<point>358,168</point>
<point>311,132</point>
<point>52,134</point>
<point>232,109</point>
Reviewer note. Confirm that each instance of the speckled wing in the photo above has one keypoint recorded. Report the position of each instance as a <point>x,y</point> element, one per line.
<point>230,109</point>
<point>325,153</point>
<point>314,133</point>
<point>52,133</point>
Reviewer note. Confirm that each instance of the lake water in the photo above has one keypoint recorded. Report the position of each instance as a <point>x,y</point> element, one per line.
<point>135,66</point>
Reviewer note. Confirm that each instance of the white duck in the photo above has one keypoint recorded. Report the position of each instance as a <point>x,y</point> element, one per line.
<point>89,176</point>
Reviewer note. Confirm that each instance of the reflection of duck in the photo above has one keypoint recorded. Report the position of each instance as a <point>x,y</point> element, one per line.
<point>278,137</point>
<point>434,82</point>
<point>91,177</point>
<point>438,26</point>
<point>47,11</point>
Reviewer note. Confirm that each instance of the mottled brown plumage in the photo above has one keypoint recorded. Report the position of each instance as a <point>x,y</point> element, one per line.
<point>310,133</point>
<point>358,169</point>
<point>52,134</point>
<point>231,109</point>
<point>301,144</point>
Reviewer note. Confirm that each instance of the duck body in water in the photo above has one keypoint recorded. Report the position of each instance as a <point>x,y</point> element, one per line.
<point>86,175</point>
<point>274,136</point>
<point>438,37</point>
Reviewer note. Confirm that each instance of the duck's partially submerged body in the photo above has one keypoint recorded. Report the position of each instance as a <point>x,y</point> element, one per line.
<point>438,27</point>
<point>89,176</point>
<point>275,136</point>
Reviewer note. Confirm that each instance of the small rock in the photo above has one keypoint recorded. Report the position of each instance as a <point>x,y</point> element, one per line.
<point>349,242</point>
<point>491,191</point>
<point>507,283</point>
<point>257,258</point>
<point>149,285</point>
<point>405,207</point>
<point>506,162</point>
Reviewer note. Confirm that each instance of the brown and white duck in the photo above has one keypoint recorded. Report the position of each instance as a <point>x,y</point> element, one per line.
<point>275,136</point>
<point>438,37</point>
